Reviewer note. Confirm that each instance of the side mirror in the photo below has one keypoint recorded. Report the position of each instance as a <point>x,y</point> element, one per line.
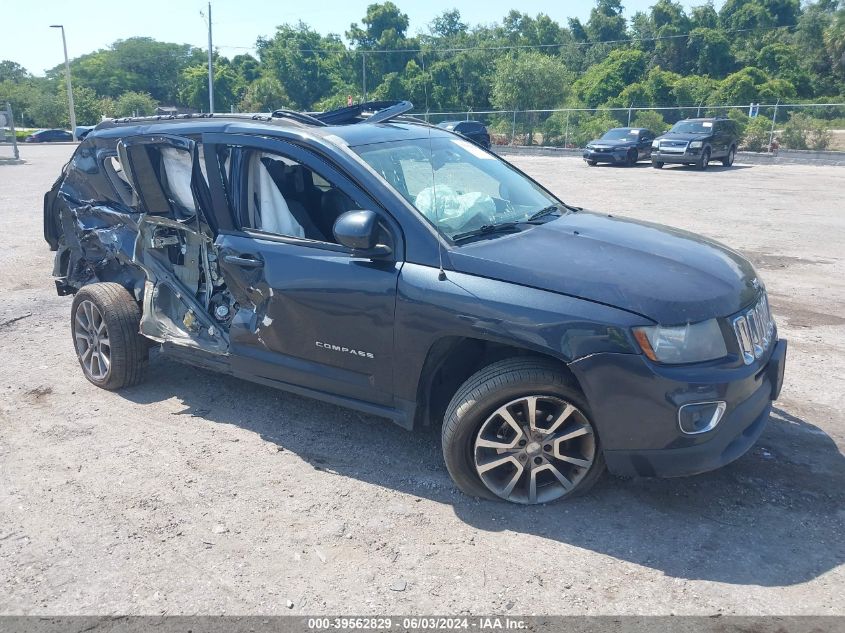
<point>359,230</point>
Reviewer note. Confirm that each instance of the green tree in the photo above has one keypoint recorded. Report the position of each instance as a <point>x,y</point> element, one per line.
<point>448,25</point>
<point>292,57</point>
<point>88,106</point>
<point>710,52</point>
<point>12,71</point>
<point>135,104</point>
<point>607,79</point>
<point>194,89</point>
<point>139,64</point>
<point>650,120</point>
<point>529,79</point>
<point>265,94</point>
<point>834,39</point>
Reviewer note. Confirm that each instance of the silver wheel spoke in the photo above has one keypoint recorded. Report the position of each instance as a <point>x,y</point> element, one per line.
<point>583,430</point>
<point>509,459</point>
<point>559,475</point>
<point>531,464</point>
<point>532,486</point>
<point>105,363</point>
<point>500,446</point>
<point>575,461</point>
<point>531,403</point>
<point>92,341</point>
<point>507,490</point>
<point>563,417</point>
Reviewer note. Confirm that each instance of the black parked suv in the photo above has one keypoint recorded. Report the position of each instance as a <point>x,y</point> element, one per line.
<point>697,142</point>
<point>620,146</point>
<point>381,264</point>
<point>475,131</point>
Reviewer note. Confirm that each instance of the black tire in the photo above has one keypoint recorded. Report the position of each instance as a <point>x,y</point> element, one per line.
<point>705,159</point>
<point>728,160</point>
<point>592,163</point>
<point>657,164</point>
<point>487,390</point>
<point>128,351</point>
<point>631,158</point>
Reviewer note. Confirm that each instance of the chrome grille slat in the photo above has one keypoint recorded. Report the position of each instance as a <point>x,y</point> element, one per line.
<point>754,330</point>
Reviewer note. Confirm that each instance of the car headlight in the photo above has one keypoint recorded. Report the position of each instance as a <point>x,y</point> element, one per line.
<point>695,144</point>
<point>691,343</point>
<point>655,144</point>
<point>590,147</point>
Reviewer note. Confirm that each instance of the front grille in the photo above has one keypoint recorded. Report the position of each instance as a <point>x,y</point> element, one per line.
<point>673,147</point>
<point>754,330</point>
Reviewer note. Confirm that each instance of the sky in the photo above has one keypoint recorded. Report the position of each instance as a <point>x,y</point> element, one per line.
<point>25,36</point>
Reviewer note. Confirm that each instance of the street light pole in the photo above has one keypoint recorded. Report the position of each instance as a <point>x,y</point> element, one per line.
<point>210,66</point>
<point>69,86</point>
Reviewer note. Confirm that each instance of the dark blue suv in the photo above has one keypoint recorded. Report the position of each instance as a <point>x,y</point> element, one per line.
<point>372,261</point>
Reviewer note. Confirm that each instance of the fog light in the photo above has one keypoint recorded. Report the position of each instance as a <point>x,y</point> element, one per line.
<point>700,417</point>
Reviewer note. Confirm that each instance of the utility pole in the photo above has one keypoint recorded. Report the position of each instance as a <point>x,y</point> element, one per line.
<point>210,66</point>
<point>364,76</point>
<point>67,78</point>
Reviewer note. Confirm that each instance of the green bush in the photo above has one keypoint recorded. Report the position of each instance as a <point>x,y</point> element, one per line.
<point>756,135</point>
<point>805,132</point>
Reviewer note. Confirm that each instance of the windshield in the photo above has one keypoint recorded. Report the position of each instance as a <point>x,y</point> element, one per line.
<point>455,184</point>
<point>692,127</point>
<point>619,134</point>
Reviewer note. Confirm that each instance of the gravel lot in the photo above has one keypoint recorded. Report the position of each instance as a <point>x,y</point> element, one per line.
<point>194,493</point>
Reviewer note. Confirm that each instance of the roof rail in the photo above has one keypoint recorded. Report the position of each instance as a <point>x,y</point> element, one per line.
<point>380,111</point>
<point>301,117</point>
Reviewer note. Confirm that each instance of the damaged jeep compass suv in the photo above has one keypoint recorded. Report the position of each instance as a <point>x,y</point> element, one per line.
<point>369,260</point>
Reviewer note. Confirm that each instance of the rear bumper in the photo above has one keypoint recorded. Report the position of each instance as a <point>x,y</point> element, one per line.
<point>654,446</point>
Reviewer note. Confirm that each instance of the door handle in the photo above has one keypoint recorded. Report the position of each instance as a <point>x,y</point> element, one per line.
<point>249,261</point>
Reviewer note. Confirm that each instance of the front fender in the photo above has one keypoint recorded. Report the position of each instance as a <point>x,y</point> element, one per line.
<point>429,309</point>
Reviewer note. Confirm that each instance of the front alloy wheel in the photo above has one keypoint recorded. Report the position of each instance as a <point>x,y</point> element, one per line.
<point>520,430</point>
<point>534,449</point>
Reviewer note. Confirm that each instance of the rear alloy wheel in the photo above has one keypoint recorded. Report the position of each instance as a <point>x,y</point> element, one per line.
<point>104,322</point>
<point>631,158</point>
<point>705,160</point>
<point>518,431</point>
<point>728,160</point>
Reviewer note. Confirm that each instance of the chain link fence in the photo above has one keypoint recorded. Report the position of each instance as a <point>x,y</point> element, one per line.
<point>763,127</point>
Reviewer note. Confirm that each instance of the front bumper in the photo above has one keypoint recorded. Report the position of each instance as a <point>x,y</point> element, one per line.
<point>688,156</point>
<point>634,405</point>
<point>614,156</point>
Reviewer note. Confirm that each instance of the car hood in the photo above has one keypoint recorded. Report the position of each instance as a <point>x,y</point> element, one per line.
<point>675,136</point>
<point>665,274</point>
<point>617,143</point>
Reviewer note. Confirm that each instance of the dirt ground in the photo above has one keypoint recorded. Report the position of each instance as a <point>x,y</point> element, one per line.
<point>194,493</point>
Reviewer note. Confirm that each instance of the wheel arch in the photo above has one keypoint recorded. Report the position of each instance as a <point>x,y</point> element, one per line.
<point>452,359</point>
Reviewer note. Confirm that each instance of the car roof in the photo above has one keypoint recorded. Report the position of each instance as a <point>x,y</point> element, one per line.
<point>362,133</point>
